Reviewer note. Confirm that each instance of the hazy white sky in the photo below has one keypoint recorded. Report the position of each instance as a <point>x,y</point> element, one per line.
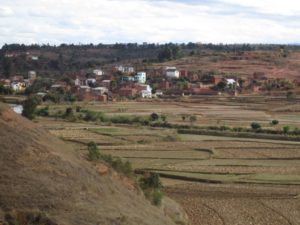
<point>110,21</point>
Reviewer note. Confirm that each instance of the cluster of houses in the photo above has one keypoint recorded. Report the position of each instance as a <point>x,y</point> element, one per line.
<point>18,83</point>
<point>123,81</point>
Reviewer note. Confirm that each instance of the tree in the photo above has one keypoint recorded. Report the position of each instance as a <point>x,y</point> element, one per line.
<point>69,112</point>
<point>7,67</point>
<point>94,152</point>
<point>286,129</point>
<point>255,126</point>
<point>29,107</point>
<point>274,122</point>
<point>154,116</point>
<point>222,85</point>
<point>193,119</point>
<point>163,117</point>
<point>165,54</point>
<point>290,95</point>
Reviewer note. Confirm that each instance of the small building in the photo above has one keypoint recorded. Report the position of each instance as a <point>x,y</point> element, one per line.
<point>31,75</point>
<point>146,94</point>
<point>184,73</point>
<point>34,58</point>
<point>140,77</point>
<point>172,72</point>
<point>84,93</point>
<point>98,72</point>
<point>99,91</point>
<point>144,90</point>
<point>80,81</point>
<point>106,83</point>
<point>128,78</point>
<point>232,83</point>
<point>17,86</point>
<point>127,92</point>
<point>125,69</point>
<point>58,88</point>
<point>164,85</point>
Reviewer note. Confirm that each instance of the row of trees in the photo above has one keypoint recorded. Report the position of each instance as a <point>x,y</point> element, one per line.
<point>129,46</point>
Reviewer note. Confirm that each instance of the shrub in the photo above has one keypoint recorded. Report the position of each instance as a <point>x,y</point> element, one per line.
<point>157,196</point>
<point>255,126</point>
<point>78,108</point>
<point>93,151</point>
<point>43,111</point>
<point>29,107</point>
<point>172,138</point>
<point>193,119</point>
<point>69,112</point>
<point>154,116</point>
<point>150,184</point>
<point>286,129</point>
<point>150,180</point>
<point>290,95</point>
<point>163,118</point>
<point>274,122</point>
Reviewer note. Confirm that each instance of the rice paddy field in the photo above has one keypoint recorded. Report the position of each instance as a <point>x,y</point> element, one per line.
<point>218,180</point>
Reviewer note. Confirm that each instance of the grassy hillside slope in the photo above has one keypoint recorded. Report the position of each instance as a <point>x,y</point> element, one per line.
<point>44,181</point>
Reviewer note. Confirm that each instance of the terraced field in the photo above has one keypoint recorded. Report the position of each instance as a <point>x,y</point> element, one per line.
<point>218,180</point>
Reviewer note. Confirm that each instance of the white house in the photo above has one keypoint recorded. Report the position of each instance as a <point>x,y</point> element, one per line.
<point>99,90</point>
<point>98,72</point>
<point>232,83</point>
<point>172,72</point>
<point>18,86</point>
<point>34,58</point>
<point>146,94</point>
<point>31,75</point>
<point>140,77</point>
<point>145,90</point>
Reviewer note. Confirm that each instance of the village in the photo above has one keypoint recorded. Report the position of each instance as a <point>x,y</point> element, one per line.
<point>124,82</point>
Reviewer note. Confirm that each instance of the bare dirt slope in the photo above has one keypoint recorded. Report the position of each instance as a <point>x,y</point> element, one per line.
<point>44,181</point>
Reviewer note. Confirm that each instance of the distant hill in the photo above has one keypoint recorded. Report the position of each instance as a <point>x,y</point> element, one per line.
<point>54,61</point>
<point>43,181</point>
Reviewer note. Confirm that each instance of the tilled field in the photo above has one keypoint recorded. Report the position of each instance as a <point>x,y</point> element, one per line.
<point>234,204</point>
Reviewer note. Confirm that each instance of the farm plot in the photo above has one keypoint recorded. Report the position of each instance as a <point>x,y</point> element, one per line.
<point>238,204</point>
<point>190,157</point>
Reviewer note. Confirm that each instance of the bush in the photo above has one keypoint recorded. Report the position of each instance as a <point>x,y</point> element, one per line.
<point>150,180</point>
<point>150,184</point>
<point>286,129</point>
<point>163,118</point>
<point>29,107</point>
<point>69,112</point>
<point>43,111</point>
<point>274,122</point>
<point>154,116</point>
<point>157,196</point>
<point>78,108</point>
<point>255,126</point>
<point>170,138</point>
<point>193,119</point>
<point>93,151</point>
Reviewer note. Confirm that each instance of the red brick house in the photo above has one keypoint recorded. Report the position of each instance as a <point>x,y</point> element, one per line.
<point>127,92</point>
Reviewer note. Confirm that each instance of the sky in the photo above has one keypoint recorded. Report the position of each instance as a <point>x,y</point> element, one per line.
<point>152,21</point>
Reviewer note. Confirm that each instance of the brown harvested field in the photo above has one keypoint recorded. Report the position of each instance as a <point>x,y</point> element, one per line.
<point>235,204</point>
<point>209,111</point>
